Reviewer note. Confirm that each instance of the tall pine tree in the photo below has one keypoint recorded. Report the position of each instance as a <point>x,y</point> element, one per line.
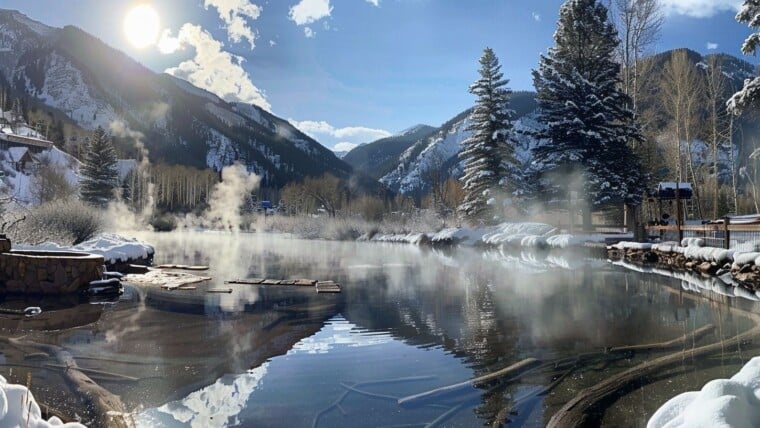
<point>488,155</point>
<point>587,124</point>
<point>750,93</point>
<point>100,175</point>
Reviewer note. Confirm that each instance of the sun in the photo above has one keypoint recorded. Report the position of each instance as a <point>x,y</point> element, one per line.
<point>141,26</point>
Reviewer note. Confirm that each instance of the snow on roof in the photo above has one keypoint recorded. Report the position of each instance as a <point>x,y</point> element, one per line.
<point>721,402</point>
<point>672,185</point>
<point>17,153</point>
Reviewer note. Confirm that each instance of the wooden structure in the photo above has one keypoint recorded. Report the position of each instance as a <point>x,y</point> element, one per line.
<point>320,286</point>
<point>716,234</point>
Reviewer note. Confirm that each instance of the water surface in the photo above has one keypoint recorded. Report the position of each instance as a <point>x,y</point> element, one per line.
<point>409,320</point>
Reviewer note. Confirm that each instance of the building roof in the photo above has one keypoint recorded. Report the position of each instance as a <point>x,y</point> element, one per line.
<point>18,153</point>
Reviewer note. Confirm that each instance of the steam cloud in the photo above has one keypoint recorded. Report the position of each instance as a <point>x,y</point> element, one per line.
<point>228,197</point>
<point>118,212</point>
<point>212,68</point>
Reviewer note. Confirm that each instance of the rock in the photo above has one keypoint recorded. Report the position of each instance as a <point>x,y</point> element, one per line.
<point>707,268</point>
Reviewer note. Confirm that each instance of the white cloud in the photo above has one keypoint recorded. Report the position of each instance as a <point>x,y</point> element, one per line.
<point>168,44</point>
<point>211,68</point>
<point>536,16</point>
<point>308,11</point>
<point>235,14</point>
<point>344,147</point>
<point>712,46</point>
<point>699,8</point>
<point>272,43</point>
<point>309,33</point>
<point>349,134</point>
<point>374,2</point>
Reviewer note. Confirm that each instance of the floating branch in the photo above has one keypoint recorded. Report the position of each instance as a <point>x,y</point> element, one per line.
<point>423,397</point>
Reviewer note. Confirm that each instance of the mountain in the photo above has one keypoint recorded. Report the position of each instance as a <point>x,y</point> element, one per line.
<point>380,157</point>
<point>83,83</point>
<point>439,148</point>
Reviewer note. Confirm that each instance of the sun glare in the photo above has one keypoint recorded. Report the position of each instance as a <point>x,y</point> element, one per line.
<point>141,26</point>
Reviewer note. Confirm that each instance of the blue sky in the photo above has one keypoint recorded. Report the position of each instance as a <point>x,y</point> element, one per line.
<point>351,71</point>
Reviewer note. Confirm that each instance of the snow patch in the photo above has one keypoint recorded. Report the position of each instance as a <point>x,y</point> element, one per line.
<point>114,248</point>
<point>733,402</point>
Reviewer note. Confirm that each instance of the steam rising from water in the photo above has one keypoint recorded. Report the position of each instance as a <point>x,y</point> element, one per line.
<point>228,197</point>
<point>119,214</point>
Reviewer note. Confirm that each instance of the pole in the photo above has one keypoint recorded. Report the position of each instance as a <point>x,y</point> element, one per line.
<point>726,232</point>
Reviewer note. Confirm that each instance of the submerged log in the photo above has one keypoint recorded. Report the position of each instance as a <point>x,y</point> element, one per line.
<point>691,336</point>
<point>251,281</point>
<point>181,267</point>
<point>424,397</point>
<point>107,406</point>
<point>576,411</point>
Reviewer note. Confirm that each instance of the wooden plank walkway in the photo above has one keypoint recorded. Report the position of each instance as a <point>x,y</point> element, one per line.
<point>320,286</point>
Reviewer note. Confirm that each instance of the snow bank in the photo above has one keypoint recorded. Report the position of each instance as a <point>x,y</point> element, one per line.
<point>709,254</point>
<point>114,248</point>
<point>745,258</point>
<point>627,245</point>
<point>731,402</point>
<point>459,236</point>
<point>516,232</point>
<point>19,409</point>
<point>565,240</point>
<point>695,242</point>
<point>410,238</point>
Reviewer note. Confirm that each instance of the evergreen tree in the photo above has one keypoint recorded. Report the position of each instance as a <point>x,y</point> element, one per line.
<point>488,155</point>
<point>750,94</point>
<point>99,172</point>
<point>587,124</point>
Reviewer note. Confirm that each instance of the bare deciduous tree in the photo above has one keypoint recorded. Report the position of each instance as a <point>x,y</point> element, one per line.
<point>639,24</point>
<point>682,93</point>
<point>717,117</point>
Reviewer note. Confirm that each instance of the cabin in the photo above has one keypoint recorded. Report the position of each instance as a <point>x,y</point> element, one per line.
<point>20,159</point>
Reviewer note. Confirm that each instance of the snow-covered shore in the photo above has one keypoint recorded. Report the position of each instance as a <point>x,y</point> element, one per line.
<point>731,402</point>
<point>518,235</point>
<point>114,248</point>
<point>18,408</point>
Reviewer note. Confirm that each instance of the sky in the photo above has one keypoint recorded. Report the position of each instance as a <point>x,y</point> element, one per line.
<point>348,72</point>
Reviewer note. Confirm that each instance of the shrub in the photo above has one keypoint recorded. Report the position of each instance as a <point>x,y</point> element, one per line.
<point>164,223</point>
<point>67,222</point>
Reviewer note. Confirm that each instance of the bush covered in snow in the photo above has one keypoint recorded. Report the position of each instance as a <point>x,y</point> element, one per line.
<point>63,222</point>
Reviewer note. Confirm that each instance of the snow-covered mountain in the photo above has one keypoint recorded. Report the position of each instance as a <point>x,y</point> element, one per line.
<point>85,83</point>
<point>380,157</point>
<point>439,147</point>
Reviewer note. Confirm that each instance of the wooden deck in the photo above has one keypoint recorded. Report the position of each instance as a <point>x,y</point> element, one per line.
<point>320,286</point>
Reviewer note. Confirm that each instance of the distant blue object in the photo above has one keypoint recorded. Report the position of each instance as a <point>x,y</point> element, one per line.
<point>266,204</point>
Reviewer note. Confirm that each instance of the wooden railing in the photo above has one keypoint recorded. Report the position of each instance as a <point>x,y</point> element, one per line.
<point>716,234</point>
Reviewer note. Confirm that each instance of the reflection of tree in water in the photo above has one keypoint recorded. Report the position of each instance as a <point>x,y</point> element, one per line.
<point>457,313</point>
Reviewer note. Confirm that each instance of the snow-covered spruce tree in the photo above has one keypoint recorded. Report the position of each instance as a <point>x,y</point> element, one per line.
<point>749,95</point>
<point>488,155</point>
<point>100,175</point>
<point>587,124</point>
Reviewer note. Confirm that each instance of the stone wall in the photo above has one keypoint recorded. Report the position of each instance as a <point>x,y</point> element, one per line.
<point>39,272</point>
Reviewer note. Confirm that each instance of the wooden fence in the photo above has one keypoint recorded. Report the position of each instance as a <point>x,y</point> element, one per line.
<point>722,235</point>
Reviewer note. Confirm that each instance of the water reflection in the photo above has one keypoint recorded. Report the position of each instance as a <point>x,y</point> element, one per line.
<point>277,355</point>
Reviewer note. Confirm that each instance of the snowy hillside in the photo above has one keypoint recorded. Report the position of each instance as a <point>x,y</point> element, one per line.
<point>441,149</point>
<point>17,182</point>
